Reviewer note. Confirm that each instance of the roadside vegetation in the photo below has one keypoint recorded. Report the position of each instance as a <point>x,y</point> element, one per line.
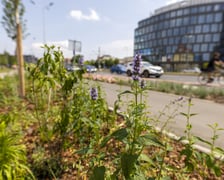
<point>64,129</point>
<point>213,93</point>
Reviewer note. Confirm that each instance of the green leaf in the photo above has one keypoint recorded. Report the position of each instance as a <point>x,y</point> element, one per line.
<point>85,151</point>
<point>209,162</point>
<point>217,171</point>
<point>145,158</point>
<point>104,141</point>
<point>202,140</point>
<point>98,173</point>
<point>119,134</point>
<point>125,92</point>
<point>127,164</point>
<point>149,140</point>
<point>193,114</point>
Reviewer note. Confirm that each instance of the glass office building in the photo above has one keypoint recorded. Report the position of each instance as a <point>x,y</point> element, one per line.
<point>188,31</point>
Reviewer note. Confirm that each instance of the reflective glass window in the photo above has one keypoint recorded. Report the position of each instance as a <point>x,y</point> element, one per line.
<point>211,47</point>
<point>165,24</point>
<point>173,14</point>
<point>185,21</point>
<point>164,33</point>
<point>216,7</point>
<point>186,11</point>
<point>199,38</point>
<point>172,23</point>
<point>180,12</point>
<point>191,39</point>
<point>205,28</point>
<point>174,48</point>
<point>183,30</point>
<point>178,21</point>
<point>194,10</point>
<point>198,29</point>
<point>214,28</point>
<point>209,8</point>
<point>216,37</point>
<point>222,7</point>
<point>167,15</point>
<point>193,19</point>
<point>176,31</point>
<point>171,41</point>
<point>168,49</point>
<point>202,9</point>
<point>208,38</point>
<point>218,17</point>
<point>196,47</point>
<point>190,29</point>
<point>165,41</point>
<point>201,19</point>
<point>177,40</point>
<point>209,18</point>
<point>204,47</point>
<point>205,56</point>
<point>170,32</point>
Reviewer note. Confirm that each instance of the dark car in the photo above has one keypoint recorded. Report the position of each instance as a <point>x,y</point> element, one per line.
<point>118,68</point>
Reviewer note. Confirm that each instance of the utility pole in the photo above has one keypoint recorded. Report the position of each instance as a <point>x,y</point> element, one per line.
<point>20,59</point>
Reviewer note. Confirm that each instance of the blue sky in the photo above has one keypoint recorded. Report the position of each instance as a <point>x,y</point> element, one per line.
<point>107,25</point>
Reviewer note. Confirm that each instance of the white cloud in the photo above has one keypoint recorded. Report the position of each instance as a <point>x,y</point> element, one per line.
<point>118,48</point>
<point>79,15</point>
<point>38,50</point>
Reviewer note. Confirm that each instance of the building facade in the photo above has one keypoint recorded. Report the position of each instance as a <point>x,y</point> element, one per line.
<point>185,32</point>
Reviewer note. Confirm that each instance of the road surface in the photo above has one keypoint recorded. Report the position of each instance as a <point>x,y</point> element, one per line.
<point>207,112</point>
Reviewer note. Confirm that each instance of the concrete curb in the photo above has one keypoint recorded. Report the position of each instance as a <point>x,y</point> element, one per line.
<point>175,137</point>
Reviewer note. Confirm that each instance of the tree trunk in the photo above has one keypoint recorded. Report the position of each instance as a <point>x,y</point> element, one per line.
<point>20,62</point>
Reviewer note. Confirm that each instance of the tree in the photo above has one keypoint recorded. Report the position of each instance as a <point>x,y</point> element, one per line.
<point>9,19</point>
<point>13,22</point>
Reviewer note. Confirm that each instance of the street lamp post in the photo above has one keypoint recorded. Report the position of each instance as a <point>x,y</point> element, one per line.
<point>44,26</point>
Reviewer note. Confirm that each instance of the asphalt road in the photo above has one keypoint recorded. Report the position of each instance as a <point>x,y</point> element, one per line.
<point>207,112</point>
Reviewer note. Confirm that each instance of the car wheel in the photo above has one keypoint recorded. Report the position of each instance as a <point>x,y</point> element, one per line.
<point>145,74</point>
<point>129,73</point>
<point>158,76</point>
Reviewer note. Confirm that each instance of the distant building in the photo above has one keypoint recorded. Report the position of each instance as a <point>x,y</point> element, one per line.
<point>30,59</point>
<point>185,32</point>
<point>125,60</point>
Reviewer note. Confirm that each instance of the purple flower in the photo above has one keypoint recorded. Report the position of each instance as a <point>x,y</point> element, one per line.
<point>135,77</point>
<point>136,67</point>
<point>93,93</point>
<point>136,64</point>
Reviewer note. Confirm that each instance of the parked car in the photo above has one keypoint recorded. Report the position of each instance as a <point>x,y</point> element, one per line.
<point>90,68</point>
<point>146,69</point>
<point>192,70</point>
<point>72,68</point>
<point>118,68</point>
